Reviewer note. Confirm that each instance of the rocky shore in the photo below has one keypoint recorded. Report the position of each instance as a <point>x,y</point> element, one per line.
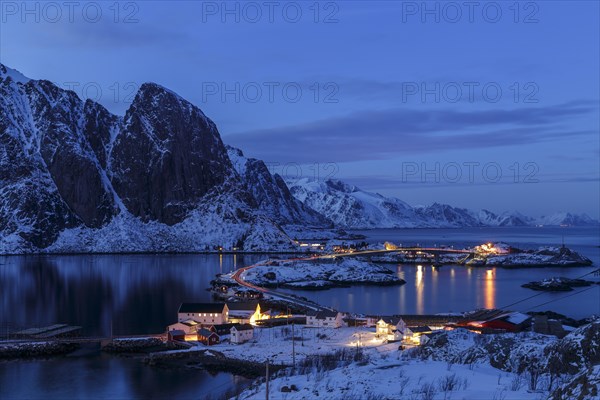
<point>23,350</point>
<point>209,360</point>
<point>137,345</point>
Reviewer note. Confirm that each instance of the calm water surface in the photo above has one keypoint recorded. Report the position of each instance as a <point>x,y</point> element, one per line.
<point>137,294</point>
<point>459,288</point>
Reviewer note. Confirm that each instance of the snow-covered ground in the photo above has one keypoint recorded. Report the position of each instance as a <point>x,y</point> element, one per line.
<point>276,343</point>
<point>455,365</point>
<point>386,376</point>
<point>319,273</point>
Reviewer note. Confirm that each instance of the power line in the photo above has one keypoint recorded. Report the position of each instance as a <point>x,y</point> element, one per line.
<point>542,293</point>
<point>563,297</point>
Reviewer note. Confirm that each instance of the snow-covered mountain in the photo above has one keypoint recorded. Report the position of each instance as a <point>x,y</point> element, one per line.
<point>74,177</point>
<point>271,194</point>
<point>350,207</point>
<point>566,219</point>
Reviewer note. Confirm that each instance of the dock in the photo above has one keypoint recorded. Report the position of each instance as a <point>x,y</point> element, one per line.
<point>48,332</point>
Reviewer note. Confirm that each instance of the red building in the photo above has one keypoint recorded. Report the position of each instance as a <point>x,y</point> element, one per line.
<point>510,322</point>
<point>207,337</point>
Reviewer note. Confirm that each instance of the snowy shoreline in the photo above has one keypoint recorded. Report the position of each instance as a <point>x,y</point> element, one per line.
<point>320,274</point>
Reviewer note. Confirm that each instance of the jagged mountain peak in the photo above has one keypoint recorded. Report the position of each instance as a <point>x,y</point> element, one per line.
<point>6,72</point>
<point>78,178</point>
<point>270,192</point>
<point>341,186</point>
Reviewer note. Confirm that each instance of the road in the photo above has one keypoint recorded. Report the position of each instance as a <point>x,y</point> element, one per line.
<point>238,275</point>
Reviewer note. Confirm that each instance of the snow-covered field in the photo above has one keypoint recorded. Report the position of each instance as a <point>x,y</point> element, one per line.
<point>456,365</point>
<point>386,376</point>
<point>276,343</point>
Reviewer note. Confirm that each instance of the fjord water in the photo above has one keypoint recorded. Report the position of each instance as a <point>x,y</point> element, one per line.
<point>457,288</point>
<point>136,294</point>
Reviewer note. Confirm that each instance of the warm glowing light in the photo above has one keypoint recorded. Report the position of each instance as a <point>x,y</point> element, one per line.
<point>420,292</point>
<point>490,289</point>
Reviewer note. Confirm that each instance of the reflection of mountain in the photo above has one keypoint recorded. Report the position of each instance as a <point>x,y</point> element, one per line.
<point>137,294</point>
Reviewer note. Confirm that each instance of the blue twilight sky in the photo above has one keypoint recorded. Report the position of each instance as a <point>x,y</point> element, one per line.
<point>482,105</point>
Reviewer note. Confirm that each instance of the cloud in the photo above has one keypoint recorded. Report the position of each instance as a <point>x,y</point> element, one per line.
<point>378,135</point>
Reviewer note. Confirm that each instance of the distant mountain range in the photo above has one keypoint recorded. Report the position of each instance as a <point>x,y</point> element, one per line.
<point>350,207</point>
<point>76,178</point>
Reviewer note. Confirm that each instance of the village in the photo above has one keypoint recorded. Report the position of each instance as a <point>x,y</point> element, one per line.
<point>249,323</point>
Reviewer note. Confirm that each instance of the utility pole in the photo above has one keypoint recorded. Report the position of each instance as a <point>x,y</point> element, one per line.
<point>267,391</point>
<point>293,348</point>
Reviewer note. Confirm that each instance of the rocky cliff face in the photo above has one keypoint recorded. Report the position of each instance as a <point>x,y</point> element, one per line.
<point>271,194</point>
<point>167,156</point>
<point>49,176</point>
<point>77,178</point>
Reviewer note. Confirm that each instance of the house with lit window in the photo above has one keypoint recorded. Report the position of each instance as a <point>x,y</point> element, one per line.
<point>246,313</point>
<point>188,326</point>
<point>208,338</point>
<point>324,319</point>
<point>392,329</point>
<point>203,313</point>
<point>389,325</point>
<point>241,333</point>
<point>417,335</point>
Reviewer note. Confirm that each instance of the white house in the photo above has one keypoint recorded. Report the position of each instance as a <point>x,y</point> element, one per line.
<point>241,333</point>
<point>392,328</point>
<point>188,327</point>
<point>417,335</point>
<point>324,319</point>
<point>203,313</point>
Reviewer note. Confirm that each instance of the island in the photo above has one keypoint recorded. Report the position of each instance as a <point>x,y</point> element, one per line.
<point>315,274</point>
<point>487,254</point>
<point>557,284</point>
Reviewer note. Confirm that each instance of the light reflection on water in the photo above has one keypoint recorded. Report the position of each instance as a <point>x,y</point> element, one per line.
<point>490,289</point>
<point>420,297</point>
<point>141,293</point>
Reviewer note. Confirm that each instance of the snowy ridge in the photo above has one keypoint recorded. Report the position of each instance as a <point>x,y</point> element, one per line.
<point>350,207</point>
<point>13,74</point>
<point>271,194</point>
<point>566,218</point>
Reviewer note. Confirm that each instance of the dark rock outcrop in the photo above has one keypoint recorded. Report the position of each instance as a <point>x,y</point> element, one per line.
<point>168,156</point>
<point>271,194</point>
